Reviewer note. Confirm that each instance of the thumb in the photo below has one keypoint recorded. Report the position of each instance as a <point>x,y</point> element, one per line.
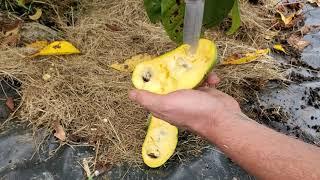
<point>146,99</point>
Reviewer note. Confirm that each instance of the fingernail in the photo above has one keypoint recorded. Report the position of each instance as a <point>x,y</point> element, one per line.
<point>133,94</point>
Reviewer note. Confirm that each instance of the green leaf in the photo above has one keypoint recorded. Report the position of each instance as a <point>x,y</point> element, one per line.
<point>236,18</point>
<point>215,11</point>
<point>172,14</point>
<point>153,8</point>
<point>21,3</point>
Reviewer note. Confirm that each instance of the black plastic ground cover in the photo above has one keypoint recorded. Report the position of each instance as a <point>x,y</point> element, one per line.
<point>293,109</point>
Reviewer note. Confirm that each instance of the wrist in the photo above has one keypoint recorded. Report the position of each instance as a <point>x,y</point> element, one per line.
<point>217,123</point>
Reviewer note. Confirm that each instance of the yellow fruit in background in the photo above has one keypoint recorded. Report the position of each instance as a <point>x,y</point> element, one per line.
<point>58,48</point>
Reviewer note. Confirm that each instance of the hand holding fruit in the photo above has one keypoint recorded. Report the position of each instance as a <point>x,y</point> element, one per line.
<point>196,110</point>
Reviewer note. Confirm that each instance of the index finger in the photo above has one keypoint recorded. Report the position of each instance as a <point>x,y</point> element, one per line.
<point>213,79</point>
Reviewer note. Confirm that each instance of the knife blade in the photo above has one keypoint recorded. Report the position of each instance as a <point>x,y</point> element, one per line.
<point>193,23</point>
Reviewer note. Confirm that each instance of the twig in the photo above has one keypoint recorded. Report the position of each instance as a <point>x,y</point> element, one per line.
<point>125,173</point>
<point>96,157</point>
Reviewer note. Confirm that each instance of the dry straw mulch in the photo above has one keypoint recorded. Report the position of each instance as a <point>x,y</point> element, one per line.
<point>90,100</point>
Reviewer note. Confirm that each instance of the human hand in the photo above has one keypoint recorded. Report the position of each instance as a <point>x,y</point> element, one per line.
<point>196,110</point>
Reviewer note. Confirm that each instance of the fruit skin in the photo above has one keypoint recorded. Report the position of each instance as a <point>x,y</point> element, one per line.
<point>163,150</point>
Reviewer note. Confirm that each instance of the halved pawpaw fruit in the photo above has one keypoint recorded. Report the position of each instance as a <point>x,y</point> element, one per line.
<point>175,70</point>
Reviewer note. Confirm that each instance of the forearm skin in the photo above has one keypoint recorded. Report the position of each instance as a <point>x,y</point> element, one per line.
<point>261,151</point>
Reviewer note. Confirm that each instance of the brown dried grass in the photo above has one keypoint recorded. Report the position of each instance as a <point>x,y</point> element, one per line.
<point>90,99</point>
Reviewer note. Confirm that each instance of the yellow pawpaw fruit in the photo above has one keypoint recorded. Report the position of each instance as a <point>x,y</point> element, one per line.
<point>175,70</point>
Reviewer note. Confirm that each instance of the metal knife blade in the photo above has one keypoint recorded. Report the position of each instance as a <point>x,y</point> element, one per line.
<point>193,23</point>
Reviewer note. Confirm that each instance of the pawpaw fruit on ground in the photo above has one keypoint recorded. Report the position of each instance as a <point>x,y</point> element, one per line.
<point>175,70</point>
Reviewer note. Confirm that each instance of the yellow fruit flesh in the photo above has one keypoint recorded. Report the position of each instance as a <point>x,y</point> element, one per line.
<point>172,71</point>
<point>175,70</point>
<point>160,142</point>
